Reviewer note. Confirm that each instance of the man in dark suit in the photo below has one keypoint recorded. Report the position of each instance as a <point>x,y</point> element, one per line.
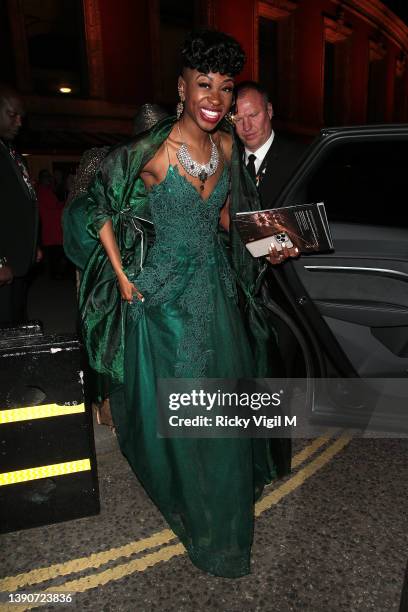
<point>270,157</point>
<point>18,214</point>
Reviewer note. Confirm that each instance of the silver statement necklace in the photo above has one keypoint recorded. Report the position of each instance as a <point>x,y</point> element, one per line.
<point>194,168</point>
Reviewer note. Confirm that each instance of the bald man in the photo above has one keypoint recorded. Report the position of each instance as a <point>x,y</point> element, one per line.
<point>18,214</point>
<point>270,157</point>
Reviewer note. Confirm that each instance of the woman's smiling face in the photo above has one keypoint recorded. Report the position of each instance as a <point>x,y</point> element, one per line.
<point>208,97</point>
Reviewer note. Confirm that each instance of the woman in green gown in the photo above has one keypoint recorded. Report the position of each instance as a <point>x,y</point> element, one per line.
<point>160,207</point>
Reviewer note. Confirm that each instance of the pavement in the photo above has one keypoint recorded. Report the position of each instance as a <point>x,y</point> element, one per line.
<point>331,537</point>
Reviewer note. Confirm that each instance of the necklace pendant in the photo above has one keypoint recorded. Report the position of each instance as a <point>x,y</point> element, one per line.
<point>202,187</point>
<point>203,176</point>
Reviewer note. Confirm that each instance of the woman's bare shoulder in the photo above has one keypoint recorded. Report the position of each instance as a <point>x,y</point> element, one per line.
<point>156,168</point>
<point>156,161</point>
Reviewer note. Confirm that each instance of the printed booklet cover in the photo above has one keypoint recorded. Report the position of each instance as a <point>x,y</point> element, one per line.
<point>304,226</point>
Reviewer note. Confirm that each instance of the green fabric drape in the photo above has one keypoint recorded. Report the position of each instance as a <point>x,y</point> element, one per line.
<point>118,193</point>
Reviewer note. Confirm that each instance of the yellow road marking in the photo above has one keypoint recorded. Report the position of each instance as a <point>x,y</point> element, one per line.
<point>301,476</point>
<point>311,449</point>
<point>168,552</point>
<point>95,560</point>
<point>120,571</point>
<point>78,565</point>
<point>44,411</point>
<point>101,578</point>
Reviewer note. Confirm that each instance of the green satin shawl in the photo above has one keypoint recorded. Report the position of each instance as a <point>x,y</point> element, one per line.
<point>118,193</point>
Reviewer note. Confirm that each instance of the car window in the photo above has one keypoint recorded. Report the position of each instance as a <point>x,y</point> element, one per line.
<point>363,182</point>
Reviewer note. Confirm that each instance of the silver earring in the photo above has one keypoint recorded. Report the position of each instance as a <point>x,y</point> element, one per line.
<point>230,118</point>
<point>180,104</point>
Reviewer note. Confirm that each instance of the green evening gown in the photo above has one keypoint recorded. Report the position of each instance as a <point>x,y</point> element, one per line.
<point>189,326</point>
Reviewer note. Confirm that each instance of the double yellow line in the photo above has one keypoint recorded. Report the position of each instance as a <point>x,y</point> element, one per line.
<point>160,539</point>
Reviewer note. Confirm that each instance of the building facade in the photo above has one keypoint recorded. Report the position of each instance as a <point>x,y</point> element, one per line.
<point>324,62</point>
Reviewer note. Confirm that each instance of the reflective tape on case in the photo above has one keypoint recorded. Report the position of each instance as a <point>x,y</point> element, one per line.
<point>29,413</point>
<point>45,471</point>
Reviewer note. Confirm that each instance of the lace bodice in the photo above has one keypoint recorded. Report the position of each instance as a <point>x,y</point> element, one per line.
<point>182,218</point>
<point>181,265</point>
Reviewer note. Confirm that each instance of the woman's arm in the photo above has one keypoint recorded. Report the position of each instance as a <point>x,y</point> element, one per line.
<point>127,289</point>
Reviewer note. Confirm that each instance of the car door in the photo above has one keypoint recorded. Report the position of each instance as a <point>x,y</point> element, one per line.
<point>352,304</point>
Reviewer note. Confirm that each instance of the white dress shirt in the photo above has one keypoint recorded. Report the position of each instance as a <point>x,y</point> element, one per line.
<point>260,153</point>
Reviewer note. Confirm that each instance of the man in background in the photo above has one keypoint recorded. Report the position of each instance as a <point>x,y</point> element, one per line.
<point>270,157</point>
<point>18,214</point>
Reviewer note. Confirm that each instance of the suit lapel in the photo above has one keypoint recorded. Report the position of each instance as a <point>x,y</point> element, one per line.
<point>5,152</point>
<point>274,150</point>
<point>270,181</point>
<point>267,162</point>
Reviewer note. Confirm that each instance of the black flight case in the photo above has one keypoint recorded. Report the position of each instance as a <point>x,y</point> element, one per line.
<point>47,454</point>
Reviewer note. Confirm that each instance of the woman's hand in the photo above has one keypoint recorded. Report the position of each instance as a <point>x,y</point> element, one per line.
<point>128,289</point>
<point>277,257</point>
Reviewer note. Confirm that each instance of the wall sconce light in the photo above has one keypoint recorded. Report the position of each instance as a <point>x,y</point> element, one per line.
<point>65,90</point>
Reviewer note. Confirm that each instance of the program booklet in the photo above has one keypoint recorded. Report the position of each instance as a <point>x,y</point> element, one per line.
<point>304,226</point>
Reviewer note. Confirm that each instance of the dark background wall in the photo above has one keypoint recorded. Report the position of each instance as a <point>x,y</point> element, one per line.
<point>323,61</point>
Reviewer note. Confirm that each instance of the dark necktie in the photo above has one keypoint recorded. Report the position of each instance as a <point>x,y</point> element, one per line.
<point>251,166</point>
